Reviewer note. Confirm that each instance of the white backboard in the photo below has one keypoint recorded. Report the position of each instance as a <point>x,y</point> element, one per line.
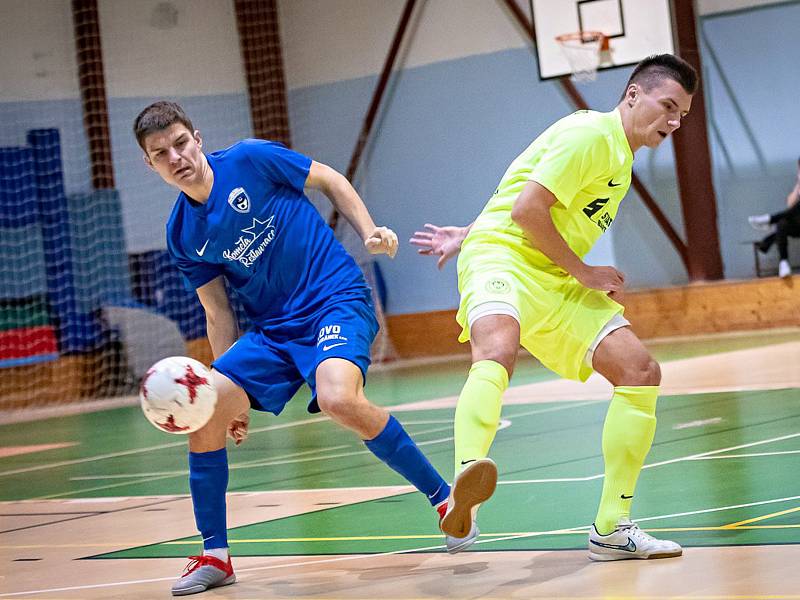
<point>636,28</point>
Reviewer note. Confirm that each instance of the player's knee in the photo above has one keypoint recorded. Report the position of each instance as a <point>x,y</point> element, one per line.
<point>503,356</point>
<point>231,399</point>
<point>337,401</point>
<point>645,371</point>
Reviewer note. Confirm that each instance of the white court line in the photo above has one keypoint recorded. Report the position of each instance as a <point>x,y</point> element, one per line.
<point>292,458</point>
<point>506,482</point>
<point>504,424</point>
<point>655,518</point>
<point>87,459</point>
<point>393,552</point>
<point>699,456</point>
<point>749,455</point>
<point>241,465</point>
<point>78,461</point>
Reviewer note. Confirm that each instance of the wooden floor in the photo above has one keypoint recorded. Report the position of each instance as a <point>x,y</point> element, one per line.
<point>95,505</point>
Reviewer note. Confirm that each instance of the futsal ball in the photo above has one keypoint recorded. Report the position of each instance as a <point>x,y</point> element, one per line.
<point>178,395</point>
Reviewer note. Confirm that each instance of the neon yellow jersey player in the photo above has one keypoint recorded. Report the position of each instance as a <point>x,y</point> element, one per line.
<point>523,282</point>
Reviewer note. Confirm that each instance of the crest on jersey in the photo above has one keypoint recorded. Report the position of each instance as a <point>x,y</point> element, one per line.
<point>239,200</point>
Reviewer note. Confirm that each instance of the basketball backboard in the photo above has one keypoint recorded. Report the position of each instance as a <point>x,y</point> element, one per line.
<point>635,28</point>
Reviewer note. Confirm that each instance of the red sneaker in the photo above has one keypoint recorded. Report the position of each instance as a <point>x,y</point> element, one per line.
<point>202,573</point>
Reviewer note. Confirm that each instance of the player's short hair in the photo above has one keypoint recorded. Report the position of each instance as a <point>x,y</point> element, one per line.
<point>157,117</point>
<point>653,69</point>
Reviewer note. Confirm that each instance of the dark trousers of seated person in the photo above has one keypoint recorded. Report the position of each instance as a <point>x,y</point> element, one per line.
<point>787,224</point>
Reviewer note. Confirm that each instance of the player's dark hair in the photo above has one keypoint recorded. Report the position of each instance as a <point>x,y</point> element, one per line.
<point>157,117</point>
<point>653,69</point>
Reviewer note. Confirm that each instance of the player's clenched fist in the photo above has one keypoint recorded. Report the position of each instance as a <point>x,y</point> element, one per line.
<point>382,241</point>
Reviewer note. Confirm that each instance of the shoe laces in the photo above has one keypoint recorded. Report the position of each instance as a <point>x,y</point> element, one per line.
<point>195,562</point>
<point>632,529</point>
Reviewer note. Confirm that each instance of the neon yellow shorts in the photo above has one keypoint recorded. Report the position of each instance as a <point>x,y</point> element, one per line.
<point>559,318</point>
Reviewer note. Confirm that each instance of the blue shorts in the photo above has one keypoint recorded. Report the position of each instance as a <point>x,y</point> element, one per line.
<point>272,365</point>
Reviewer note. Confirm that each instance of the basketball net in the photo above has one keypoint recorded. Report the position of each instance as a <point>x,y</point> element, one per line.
<point>585,50</point>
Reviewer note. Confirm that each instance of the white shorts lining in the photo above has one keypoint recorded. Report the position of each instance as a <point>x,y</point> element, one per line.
<point>614,323</point>
<point>492,308</point>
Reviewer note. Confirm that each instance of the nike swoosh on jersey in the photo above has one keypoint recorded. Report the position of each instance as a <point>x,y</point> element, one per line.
<point>202,250</point>
<point>326,348</point>
<point>612,184</point>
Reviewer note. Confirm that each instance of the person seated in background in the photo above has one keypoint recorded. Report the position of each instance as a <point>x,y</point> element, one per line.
<point>781,225</point>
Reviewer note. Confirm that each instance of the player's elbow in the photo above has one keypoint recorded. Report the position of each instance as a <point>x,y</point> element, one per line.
<point>518,213</point>
<point>524,212</point>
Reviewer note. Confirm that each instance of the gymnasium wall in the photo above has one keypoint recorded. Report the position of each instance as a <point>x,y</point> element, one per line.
<point>469,100</point>
<point>465,103</point>
<point>182,50</point>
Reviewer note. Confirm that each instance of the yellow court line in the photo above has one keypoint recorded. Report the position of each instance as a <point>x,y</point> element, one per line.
<point>762,518</point>
<point>363,538</point>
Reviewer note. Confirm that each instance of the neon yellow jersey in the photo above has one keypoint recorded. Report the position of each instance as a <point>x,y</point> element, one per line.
<point>585,160</point>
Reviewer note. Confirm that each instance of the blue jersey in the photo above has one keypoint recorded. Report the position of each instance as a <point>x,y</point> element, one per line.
<point>260,231</point>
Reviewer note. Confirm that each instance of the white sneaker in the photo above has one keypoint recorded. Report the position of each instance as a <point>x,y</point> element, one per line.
<point>784,269</point>
<point>456,545</point>
<point>628,541</point>
<point>760,222</point>
<point>473,486</point>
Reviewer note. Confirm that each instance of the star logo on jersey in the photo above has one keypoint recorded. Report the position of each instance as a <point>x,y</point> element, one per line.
<point>252,245</point>
<point>258,227</point>
<point>239,200</point>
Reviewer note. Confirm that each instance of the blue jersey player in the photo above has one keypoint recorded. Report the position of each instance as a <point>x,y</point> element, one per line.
<point>242,216</point>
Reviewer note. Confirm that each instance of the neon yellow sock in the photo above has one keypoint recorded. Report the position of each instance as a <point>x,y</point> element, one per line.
<point>478,411</point>
<point>627,436</point>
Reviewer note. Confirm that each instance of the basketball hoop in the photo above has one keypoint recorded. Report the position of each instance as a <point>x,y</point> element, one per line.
<point>585,50</point>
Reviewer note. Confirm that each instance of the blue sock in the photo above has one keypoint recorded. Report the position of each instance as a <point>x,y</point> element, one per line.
<point>394,447</point>
<point>208,480</point>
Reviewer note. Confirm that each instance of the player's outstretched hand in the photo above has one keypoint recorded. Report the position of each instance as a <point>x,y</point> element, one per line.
<point>607,279</point>
<point>444,242</point>
<point>237,429</point>
<point>382,241</point>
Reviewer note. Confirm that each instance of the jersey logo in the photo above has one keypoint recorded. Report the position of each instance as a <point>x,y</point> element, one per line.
<point>239,201</point>
<point>497,286</point>
<point>252,244</point>
<point>202,250</point>
<point>594,206</point>
<point>326,347</point>
<point>612,184</point>
<point>331,333</point>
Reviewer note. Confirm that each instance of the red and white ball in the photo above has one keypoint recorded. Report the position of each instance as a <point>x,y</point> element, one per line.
<point>178,395</point>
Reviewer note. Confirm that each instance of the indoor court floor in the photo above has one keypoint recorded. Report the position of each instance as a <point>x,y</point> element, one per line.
<point>95,505</point>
